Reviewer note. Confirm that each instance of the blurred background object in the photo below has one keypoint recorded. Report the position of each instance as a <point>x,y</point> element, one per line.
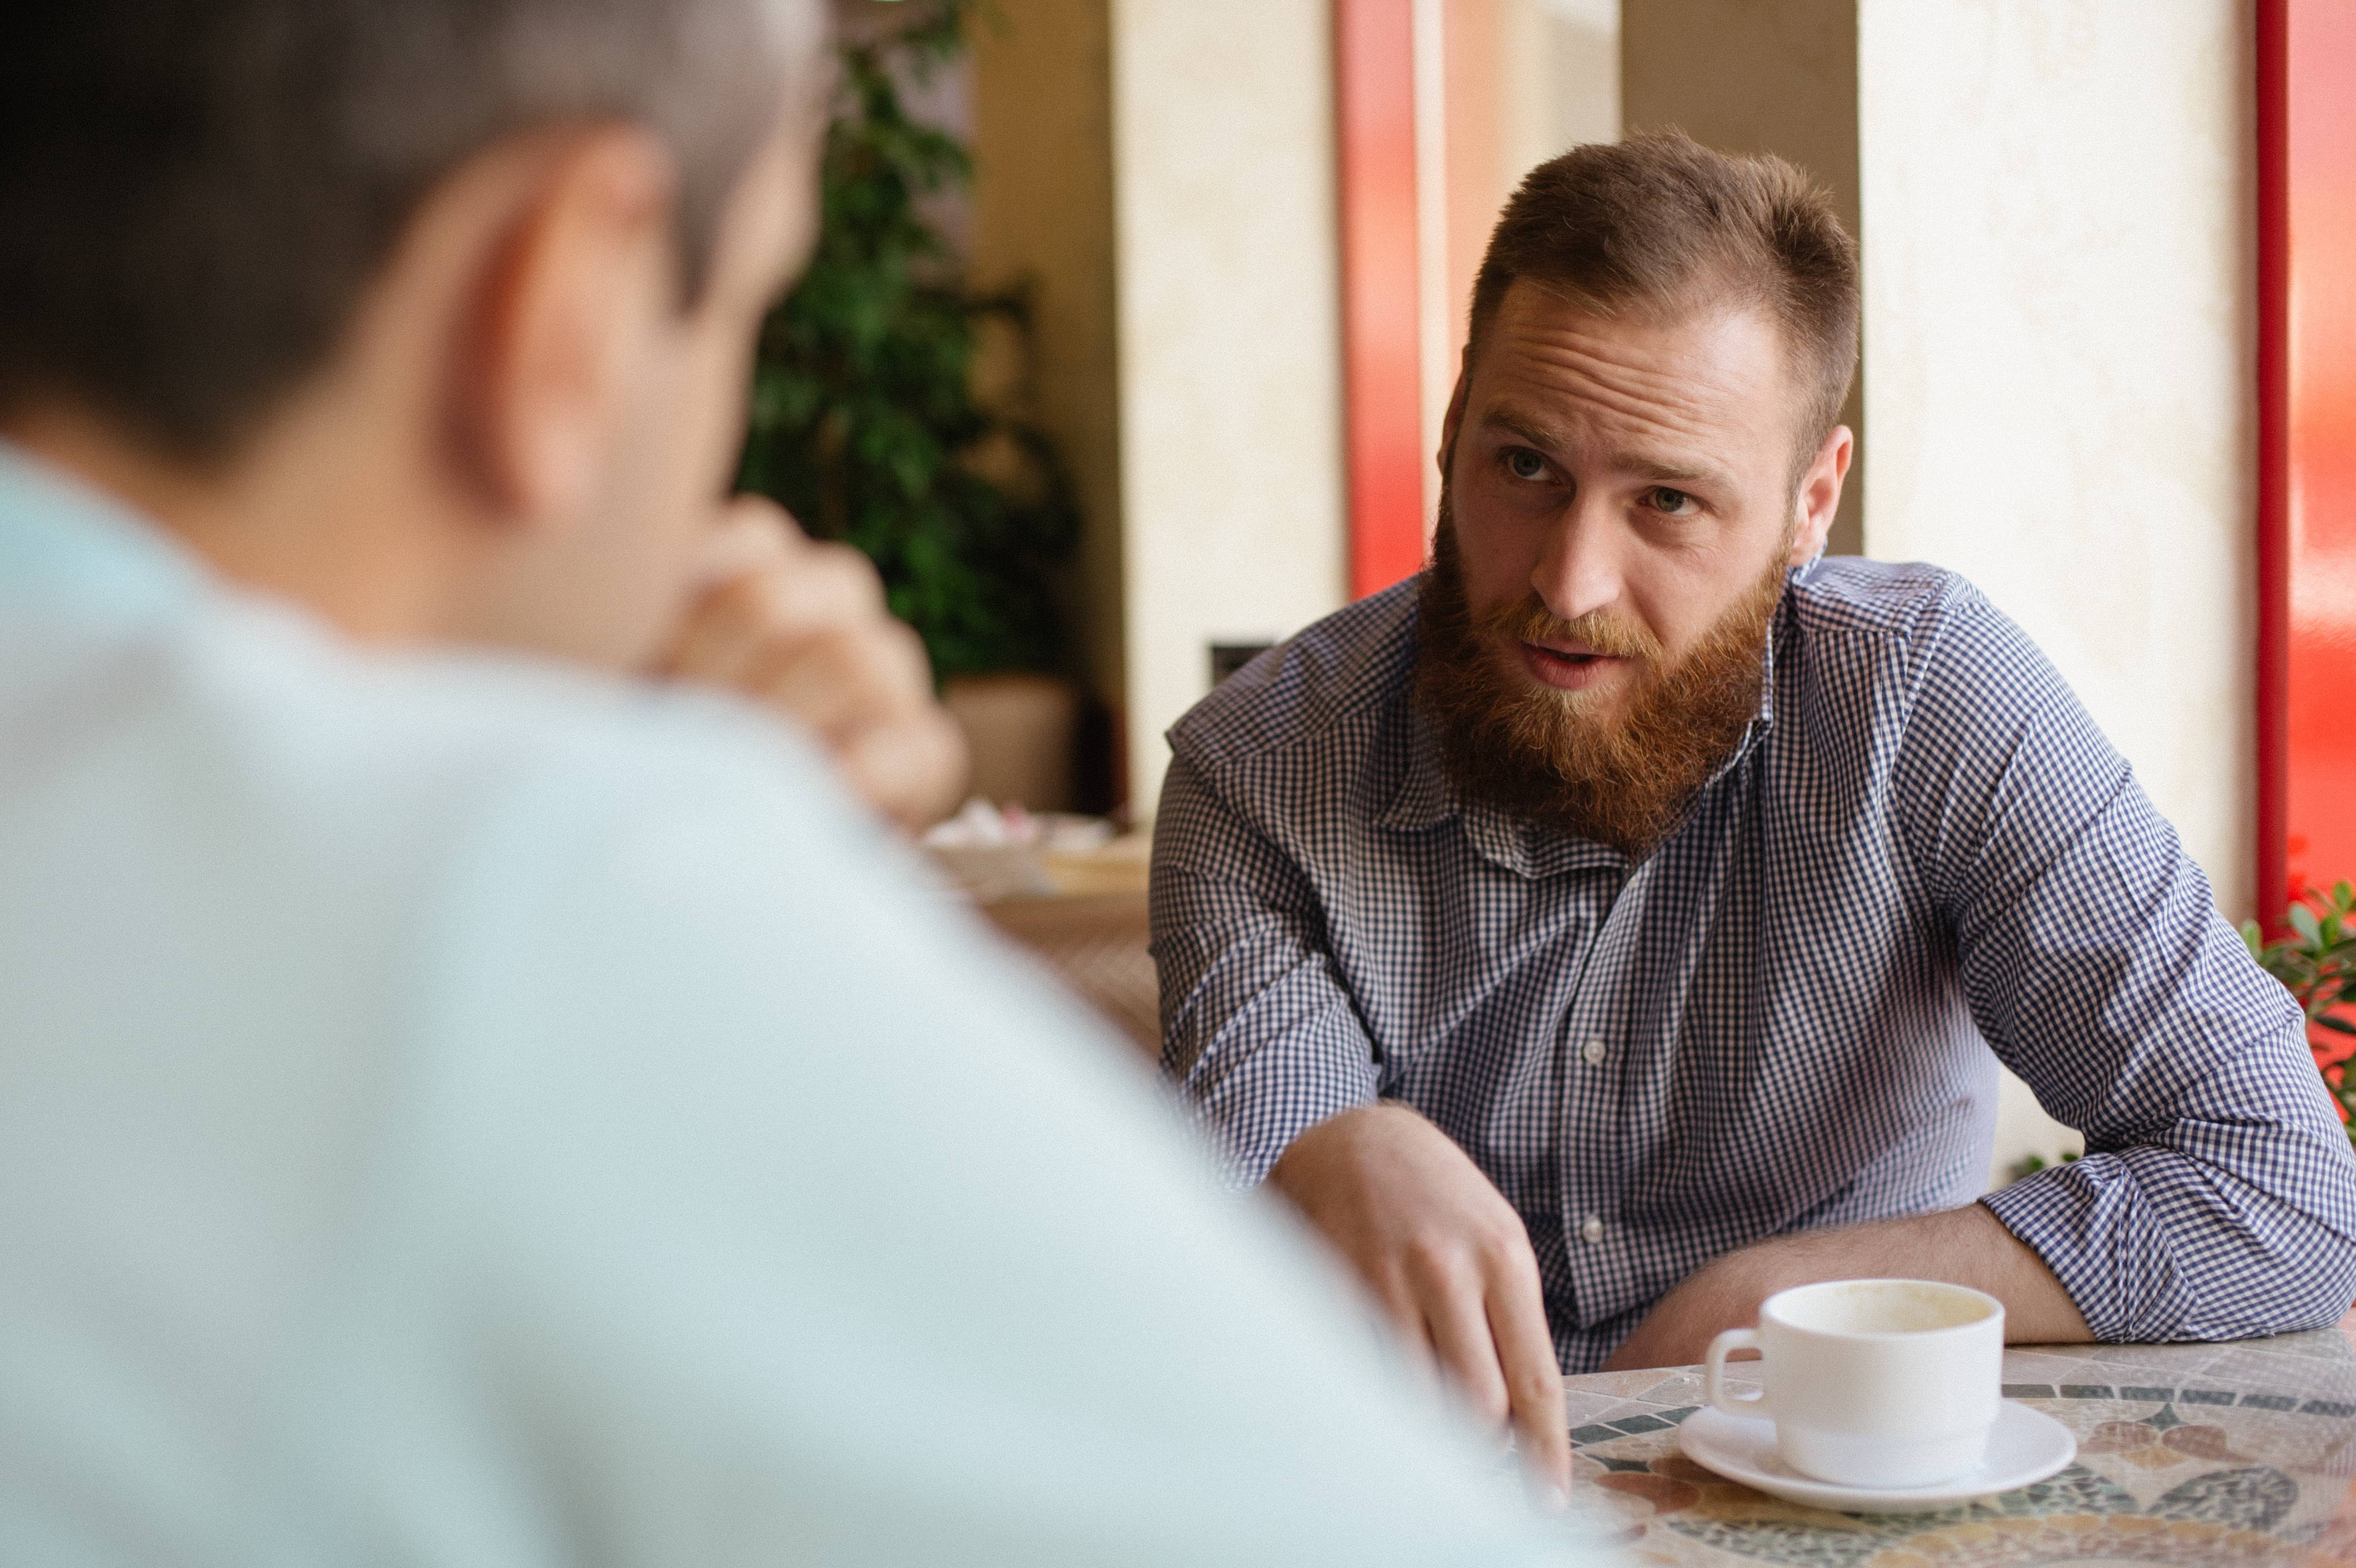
<point>1024,731</point>
<point>1072,891</point>
<point>1002,851</point>
<point>1094,943</point>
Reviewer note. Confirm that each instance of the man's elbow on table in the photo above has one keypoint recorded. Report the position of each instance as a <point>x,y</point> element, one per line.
<point>2158,1245</point>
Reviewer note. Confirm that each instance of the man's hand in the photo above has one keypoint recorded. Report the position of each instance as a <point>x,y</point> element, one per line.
<point>1963,1246</point>
<point>801,628</point>
<point>1446,1256</point>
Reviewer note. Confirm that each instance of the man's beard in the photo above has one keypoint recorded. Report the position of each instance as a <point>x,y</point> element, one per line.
<point>1545,755</point>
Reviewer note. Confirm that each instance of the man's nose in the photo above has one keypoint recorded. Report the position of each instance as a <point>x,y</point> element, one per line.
<point>1580,565</point>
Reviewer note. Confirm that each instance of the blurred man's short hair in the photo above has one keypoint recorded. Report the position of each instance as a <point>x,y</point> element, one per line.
<point>1660,226</point>
<point>194,194</point>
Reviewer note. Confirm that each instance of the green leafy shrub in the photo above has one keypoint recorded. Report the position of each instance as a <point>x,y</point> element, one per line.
<point>2030,1164</point>
<point>864,421</point>
<point>2316,963</point>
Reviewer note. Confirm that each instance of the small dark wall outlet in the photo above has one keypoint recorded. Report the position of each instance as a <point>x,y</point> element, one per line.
<point>1229,657</point>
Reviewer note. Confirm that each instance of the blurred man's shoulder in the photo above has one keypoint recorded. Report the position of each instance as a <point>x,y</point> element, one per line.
<point>1328,684</point>
<point>387,766</point>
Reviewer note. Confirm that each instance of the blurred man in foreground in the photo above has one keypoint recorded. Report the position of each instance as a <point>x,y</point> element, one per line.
<point>459,1107</point>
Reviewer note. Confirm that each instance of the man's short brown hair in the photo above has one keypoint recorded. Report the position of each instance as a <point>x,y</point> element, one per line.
<point>1659,226</point>
<point>195,194</point>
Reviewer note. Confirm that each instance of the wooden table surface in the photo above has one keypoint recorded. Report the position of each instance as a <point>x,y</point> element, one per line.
<point>2189,1455</point>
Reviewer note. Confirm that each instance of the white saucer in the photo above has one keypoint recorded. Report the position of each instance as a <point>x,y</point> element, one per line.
<point>2025,1446</point>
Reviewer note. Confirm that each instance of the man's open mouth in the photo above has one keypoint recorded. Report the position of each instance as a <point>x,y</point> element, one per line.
<point>1573,658</point>
<point>1570,668</point>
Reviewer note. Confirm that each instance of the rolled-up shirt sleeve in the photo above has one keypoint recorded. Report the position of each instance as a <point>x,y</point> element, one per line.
<point>1256,1028</point>
<point>2217,1196</point>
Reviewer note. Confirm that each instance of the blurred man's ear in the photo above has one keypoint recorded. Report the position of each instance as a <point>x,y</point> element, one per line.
<point>569,303</point>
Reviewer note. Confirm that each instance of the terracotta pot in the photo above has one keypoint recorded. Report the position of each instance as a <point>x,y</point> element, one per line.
<point>1023,731</point>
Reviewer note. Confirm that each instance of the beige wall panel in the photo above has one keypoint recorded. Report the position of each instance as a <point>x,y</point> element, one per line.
<point>1479,115</point>
<point>1232,499</point>
<point>1760,76</point>
<point>1561,76</point>
<point>2059,357</point>
<point>1042,216</point>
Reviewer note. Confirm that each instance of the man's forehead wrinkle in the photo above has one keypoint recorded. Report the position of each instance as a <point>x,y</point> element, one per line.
<point>1638,409</point>
<point>1601,358</point>
<point>1666,405</point>
<point>1664,409</point>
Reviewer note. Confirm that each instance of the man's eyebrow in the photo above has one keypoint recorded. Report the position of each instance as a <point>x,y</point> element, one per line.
<point>1623,460</point>
<point>1662,471</point>
<point>1537,432</point>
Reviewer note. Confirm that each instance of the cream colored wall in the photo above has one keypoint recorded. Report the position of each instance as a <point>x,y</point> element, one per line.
<point>1232,496</point>
<point>2058,355</point>
<point>1561,78</point>
<point>2058,344</point>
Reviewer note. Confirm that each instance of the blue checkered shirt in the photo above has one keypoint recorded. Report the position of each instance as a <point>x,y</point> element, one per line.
<point>1922,858</point>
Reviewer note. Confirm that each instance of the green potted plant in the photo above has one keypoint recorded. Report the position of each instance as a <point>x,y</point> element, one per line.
<point>2316,963</point>
<point>865,420</point>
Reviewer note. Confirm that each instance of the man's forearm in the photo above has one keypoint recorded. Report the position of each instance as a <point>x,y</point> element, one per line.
<point>1961,1246</point>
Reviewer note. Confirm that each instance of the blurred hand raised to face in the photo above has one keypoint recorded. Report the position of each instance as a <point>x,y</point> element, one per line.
<point>800,627</point>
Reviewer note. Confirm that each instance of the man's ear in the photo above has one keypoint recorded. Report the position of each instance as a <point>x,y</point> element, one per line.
<point>571,299</point>
<point>1820,493</point>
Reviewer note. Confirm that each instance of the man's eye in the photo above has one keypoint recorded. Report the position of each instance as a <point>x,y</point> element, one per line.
<point>1524,464</point>
<point>1675,503</point>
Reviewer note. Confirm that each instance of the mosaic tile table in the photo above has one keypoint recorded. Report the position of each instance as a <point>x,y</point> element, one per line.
<point>2188,1455</point>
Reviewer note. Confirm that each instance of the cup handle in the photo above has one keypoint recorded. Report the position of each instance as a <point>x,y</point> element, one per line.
<point>1714,1376</point>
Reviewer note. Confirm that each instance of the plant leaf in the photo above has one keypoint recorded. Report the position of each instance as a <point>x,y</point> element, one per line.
<point>2302,920</point>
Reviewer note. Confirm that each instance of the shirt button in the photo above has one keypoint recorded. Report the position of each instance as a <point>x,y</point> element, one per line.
<point>1593,1051</point>
<point>1590,1229</point>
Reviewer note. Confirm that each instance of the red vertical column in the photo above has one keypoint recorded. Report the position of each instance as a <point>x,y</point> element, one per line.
<point>2307,460</point>
<point>1373,92</point>
<point>2274,458</point>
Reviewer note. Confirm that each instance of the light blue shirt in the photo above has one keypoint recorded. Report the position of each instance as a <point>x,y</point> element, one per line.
<point>457,1112</point>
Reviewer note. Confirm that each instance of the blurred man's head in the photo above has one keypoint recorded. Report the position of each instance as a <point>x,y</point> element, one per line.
<point>1645,436</point>
<point>433,313</point>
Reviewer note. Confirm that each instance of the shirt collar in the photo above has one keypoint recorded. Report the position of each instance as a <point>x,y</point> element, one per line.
<point>61,537</point>
<point>1425,797</point>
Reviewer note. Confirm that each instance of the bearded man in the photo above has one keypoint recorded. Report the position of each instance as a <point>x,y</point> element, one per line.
<point>1624,920</point>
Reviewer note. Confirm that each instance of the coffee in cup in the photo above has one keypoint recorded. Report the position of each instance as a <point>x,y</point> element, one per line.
<point>1872,1382</point>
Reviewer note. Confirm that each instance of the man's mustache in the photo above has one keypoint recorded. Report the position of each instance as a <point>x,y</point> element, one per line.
<point>1598,630</point>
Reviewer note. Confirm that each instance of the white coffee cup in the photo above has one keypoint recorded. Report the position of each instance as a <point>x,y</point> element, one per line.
<point>1873,1382</point>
